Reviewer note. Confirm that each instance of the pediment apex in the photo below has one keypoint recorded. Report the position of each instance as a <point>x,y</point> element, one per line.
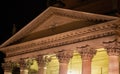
<point>49,12</point>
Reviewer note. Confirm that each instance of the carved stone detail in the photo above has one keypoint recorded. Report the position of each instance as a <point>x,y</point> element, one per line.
<point>64,56</point>
<point>22,63</point>
<point>86,52</point>
<point>64,39</point>
<point>7,66</point>
<point>43,60</point>
<point>112,47</point>
<point>40,60</point>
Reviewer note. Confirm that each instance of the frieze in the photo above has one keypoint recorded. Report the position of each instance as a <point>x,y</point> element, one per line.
<point>83,34</point>
<point>56,44</point>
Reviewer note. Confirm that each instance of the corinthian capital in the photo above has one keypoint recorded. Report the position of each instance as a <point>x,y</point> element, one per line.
<point>22,63</point>
<point>43,60</point>
<point>86,52</point>
<point>7,66</point>
<point>112,47</point>
<point>64,56</point>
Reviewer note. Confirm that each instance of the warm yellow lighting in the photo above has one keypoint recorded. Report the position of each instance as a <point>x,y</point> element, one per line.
<point>34,66</point>
<point>100,61</point>
<point>72,72</point>
<point>99,64</point>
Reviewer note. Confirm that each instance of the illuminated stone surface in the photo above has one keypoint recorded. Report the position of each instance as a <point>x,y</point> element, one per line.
<point>57,30</point>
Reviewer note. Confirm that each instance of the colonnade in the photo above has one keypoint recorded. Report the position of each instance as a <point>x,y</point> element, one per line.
<point>86,52</point>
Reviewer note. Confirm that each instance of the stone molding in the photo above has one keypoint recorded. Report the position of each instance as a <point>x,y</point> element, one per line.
<point>43,60</point>
<point>55,11</point>
<point>112,47</point>
<point>79,35</point>
<point>22,63</point>
<point>86,52</point>
<point>7,66</point>
<point>64,56</point>
<point>82,15</point>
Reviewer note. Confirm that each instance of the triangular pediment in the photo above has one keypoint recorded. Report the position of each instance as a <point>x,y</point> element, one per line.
<point>54,21</point>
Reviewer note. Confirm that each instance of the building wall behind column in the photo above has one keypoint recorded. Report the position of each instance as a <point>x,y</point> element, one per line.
<point>100,61</point>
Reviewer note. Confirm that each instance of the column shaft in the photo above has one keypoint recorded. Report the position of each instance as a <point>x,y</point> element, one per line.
<point>41,70</point>
<point>87,53</point>
<point>23,71</point>
<point>113,51</point>
<point>86,66</point>
<point>64,58</point>
<point>42,61</point>
<point>7,73</point>
<point>63,68</point>
<point>7,66</point>
<point>114,65</point>
<point>23,66</point>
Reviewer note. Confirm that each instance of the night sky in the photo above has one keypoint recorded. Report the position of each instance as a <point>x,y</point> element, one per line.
<point>18,12</point>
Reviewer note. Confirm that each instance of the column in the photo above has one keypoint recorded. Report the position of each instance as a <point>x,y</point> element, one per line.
<point>113,50</point>
<point>64,58</point>
<point>7,66</point>
<point>42,62</point>
<point>87,54</point>
<point>23,66</point>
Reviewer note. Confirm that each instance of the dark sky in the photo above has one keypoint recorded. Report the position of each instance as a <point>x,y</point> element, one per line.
<point>18,12</point>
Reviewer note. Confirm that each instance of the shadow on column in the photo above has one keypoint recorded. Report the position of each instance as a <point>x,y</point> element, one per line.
<point>2,56</point>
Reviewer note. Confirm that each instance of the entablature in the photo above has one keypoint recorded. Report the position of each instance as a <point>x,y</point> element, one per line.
<point>97,31</point>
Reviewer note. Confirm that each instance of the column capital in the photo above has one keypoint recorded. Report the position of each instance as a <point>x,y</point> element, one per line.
<point>64,56</point>
<point>86,52</point>
<point>112,47</point>
<point>22,63</point>
<point>43,60</point>
<point>7,66</point>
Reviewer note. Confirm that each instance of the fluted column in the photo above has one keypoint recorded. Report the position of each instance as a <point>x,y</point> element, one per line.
<point>64,58</point>
<point>42,61</point>
<point>113,50</point>
<point>23,66</point>
<point>7,66</point>
<point>87,54</point>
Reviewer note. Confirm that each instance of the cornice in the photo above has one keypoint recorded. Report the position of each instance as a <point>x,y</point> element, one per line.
<point>54,11</point>
<point>66,38</point>
<point>82,15</point>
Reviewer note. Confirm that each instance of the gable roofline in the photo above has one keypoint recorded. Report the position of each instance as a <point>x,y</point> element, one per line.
<point>51,11</point>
